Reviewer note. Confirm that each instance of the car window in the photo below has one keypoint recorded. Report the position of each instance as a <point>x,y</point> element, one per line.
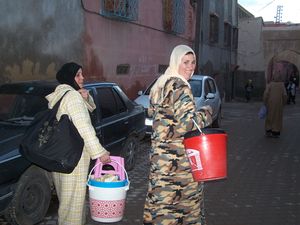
<point>119,101</point>
<point>196,86</point>
<point>147,92</point>
<point>206,87</point>
<point>21,105</point>
<point>110,102</point>
<point>6,105</point>
<point>212,86</point>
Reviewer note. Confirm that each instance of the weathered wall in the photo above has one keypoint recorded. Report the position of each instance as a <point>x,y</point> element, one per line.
<point>250,58</point>
<point>142,44</point>
<point>250,51</point>
<point>37,37</point>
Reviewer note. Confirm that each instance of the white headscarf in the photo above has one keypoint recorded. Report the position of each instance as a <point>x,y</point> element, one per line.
<point>172,71</point>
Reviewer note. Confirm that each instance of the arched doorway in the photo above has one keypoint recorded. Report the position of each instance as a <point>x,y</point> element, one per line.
<point>287,64</point>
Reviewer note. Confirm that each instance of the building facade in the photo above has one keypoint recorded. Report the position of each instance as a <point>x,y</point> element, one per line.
<point>265,48</point>
<point>123,41</point>
<point>218,43</point>
<point>250,57</point>
<point>282,51</point>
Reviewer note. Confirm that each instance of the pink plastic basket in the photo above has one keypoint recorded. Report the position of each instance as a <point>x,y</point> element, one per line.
<point>117,163</point>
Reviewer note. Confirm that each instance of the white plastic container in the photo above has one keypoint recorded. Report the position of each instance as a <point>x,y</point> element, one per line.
<point>107,199</point>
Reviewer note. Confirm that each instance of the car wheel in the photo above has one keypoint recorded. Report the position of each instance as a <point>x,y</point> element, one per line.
<point>129,152</point>
<point>217,122</point>
<point>31,198</point>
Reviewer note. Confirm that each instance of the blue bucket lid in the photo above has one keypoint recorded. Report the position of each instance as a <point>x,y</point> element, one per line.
<point>115,184</point>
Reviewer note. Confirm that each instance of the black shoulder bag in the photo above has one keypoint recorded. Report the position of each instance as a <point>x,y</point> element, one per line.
<point>53,145</point>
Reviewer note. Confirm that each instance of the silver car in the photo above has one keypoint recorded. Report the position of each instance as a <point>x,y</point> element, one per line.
<point>205,92</point>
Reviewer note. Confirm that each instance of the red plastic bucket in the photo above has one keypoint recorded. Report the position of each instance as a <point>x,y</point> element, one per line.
<point>207,153</point>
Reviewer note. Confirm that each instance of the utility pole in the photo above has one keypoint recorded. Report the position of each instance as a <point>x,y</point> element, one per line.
<point>278,17</point>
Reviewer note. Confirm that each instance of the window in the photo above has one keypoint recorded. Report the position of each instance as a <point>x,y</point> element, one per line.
<point>235,32</point>
<point>214,29</point>
<point>196,86</point>
<point>123,69</point>
<point>20,105</point>
<point>209,87</point>
<point>206,88</point>
<point>120,9</point>
<point>227,34</point>
<point>174,16</point>
<point>110,102</point>
<point>212,86</point>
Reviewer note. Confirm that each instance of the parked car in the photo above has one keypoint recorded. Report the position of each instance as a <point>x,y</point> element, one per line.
<point>205,92</point>
<point>25,189</point>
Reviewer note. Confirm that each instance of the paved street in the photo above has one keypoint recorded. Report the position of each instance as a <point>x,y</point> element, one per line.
<point>263,184</point>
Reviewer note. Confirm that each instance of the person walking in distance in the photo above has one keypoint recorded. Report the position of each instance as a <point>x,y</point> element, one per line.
<point>274,98</point>
<point>291,89</point>
<point>248,90</point>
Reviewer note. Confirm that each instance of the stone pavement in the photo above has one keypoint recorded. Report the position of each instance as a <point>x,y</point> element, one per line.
<point>263,184</point>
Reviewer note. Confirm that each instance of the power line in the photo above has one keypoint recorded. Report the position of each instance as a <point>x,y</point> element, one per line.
<point>266,5</point>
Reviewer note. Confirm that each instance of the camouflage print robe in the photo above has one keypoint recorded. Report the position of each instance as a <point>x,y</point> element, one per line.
<point>173,197</point>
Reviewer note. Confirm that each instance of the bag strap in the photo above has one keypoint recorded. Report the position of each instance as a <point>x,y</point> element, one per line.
<point>57,104</point>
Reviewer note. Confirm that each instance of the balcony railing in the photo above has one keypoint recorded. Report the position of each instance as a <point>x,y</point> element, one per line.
<point>174,16</point>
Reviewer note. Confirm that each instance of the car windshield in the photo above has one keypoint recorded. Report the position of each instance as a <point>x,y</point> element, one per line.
<point>20,107</point>
<point>196,86</point>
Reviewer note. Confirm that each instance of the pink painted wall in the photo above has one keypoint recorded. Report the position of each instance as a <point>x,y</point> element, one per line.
<point>142,44</point>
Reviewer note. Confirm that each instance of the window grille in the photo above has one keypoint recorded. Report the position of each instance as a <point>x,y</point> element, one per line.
<point>174,16</point>
<point>120,9</point>
<point>214,29</point>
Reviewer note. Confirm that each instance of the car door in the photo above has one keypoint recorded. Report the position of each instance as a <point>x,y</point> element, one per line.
<point>110,121</point>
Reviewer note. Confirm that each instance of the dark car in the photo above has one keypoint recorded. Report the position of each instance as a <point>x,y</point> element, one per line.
<point>25,189</point>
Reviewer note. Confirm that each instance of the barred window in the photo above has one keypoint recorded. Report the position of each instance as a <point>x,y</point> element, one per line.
<point>227,34</point>
<point>214,29</point>
<point>120,9</point>
<point>174,16</point>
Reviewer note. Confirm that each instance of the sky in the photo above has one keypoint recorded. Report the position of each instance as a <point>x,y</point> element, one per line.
<point>267,9</point>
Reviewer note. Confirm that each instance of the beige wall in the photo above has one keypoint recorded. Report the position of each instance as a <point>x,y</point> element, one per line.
<point>282,44</point>
<point>250,51</point>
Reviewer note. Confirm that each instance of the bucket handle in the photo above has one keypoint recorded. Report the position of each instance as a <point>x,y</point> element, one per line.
<point>197,126</point>
<point>126,175</point>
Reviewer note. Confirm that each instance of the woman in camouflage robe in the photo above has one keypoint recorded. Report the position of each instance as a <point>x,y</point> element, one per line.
<point>173,197</point>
